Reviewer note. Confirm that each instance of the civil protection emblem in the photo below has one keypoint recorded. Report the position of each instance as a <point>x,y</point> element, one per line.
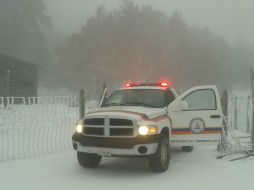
<point>197,125</point>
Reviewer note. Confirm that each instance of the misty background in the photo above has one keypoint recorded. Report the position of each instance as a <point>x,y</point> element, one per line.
<point>85,43</point>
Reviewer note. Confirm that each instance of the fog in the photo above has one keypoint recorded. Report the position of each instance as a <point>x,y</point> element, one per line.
<point>232,19</point>
<point>80,43</point>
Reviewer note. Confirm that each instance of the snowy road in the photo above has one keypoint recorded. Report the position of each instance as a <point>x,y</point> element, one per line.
<point>196,170</point>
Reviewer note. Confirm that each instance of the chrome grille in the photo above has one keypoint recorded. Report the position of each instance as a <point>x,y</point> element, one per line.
<point>107,127</point>
<point>94,121</point>
<point>94,131</point>
<point>121,132</point>
<point>120,122</point>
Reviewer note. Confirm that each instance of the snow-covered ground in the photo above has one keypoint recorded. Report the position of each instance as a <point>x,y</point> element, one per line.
<point>198,170</point>
<point>37,126</point>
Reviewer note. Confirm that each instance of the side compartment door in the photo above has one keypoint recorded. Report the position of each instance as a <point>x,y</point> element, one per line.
<point>197,117</point>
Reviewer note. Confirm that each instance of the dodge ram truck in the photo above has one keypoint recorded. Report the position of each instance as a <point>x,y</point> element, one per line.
<point>145,120</point>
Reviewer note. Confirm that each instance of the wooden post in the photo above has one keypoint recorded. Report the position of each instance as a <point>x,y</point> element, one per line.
<point>252,88</point>
<point>81,103</point>
<point>8,82</point>
<point>223,145</point>
<point>247,115</point>
<point>235,113</point>
<point>224,102</point>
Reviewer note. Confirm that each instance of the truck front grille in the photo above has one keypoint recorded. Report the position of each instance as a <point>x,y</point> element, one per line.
<point>95,121</point>
<point>94,131</point>
<point>120,122</point>
<point>109,127</point>
<point>121,132</point>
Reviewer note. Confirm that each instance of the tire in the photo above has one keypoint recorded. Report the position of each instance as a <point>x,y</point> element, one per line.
<point>187,148</point>
<point>159,161</point>
<point>87,160</point>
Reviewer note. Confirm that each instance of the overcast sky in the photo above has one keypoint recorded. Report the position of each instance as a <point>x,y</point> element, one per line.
<point>232,19</point>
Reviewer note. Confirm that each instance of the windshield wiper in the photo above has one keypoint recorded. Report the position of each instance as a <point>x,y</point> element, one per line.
<point>138,104</point>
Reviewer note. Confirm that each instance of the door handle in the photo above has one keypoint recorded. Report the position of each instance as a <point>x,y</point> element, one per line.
<point>215,116</point>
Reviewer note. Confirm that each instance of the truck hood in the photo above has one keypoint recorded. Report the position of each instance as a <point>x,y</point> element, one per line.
<point>136,112</point>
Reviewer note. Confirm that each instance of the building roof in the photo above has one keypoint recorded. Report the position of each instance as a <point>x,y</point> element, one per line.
<point>7,62</point>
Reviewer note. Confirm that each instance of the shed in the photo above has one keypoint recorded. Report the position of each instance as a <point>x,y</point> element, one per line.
<point>18,78</point>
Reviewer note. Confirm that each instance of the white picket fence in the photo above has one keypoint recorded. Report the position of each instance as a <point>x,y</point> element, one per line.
<point>36,126</point>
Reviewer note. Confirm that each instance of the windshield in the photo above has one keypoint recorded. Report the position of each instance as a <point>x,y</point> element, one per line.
<point>155,98</point>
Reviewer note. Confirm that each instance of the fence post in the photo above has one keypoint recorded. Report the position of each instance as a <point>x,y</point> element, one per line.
<point>247,115</point>
<point>81,103</point>
<point>252,88</point>
<point>223,145</point>
<point>224,102</point>
<point>8,83</point>
<point>235,113</point>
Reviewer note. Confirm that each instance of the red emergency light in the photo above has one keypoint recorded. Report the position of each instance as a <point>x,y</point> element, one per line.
<point>164,84</point>
<point>128,84</point>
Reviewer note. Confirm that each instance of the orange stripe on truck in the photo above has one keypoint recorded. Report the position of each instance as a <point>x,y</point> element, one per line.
<point>188,131</point>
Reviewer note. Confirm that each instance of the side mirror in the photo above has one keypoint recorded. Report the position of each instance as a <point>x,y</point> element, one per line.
<point>180,106</point>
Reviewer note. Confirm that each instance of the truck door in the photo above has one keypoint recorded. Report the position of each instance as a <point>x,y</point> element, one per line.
<point>196,117</point>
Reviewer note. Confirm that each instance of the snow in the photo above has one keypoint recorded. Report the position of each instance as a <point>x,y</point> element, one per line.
<point>32,129</point>
<point>195,170</point>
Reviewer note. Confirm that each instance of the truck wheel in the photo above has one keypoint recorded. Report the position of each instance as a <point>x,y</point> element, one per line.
<point>88,160</point>
<point>187,148</point>
<point>159,161</point>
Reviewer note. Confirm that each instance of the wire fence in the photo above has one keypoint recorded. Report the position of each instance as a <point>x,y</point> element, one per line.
<point>239,122</point>
<point>36,126</point>
<point>240,111</point>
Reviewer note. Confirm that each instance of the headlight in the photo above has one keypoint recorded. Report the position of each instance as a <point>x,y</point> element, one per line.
<point>147,130</point>
<point>79,128</point>
<point>143,130</point>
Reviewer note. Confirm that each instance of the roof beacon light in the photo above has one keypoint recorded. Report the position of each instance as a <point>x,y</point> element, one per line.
<point>164,84</point>
<point>128,84</point>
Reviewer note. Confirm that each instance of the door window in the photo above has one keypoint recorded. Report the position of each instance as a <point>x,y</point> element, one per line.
<point>203,99</point>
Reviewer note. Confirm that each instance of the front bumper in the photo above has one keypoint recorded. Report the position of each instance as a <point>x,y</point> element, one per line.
<point>116,146</point>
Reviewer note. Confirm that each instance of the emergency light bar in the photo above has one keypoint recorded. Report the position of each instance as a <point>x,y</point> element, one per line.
<point>162,84</point>
<point>128,85</point>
